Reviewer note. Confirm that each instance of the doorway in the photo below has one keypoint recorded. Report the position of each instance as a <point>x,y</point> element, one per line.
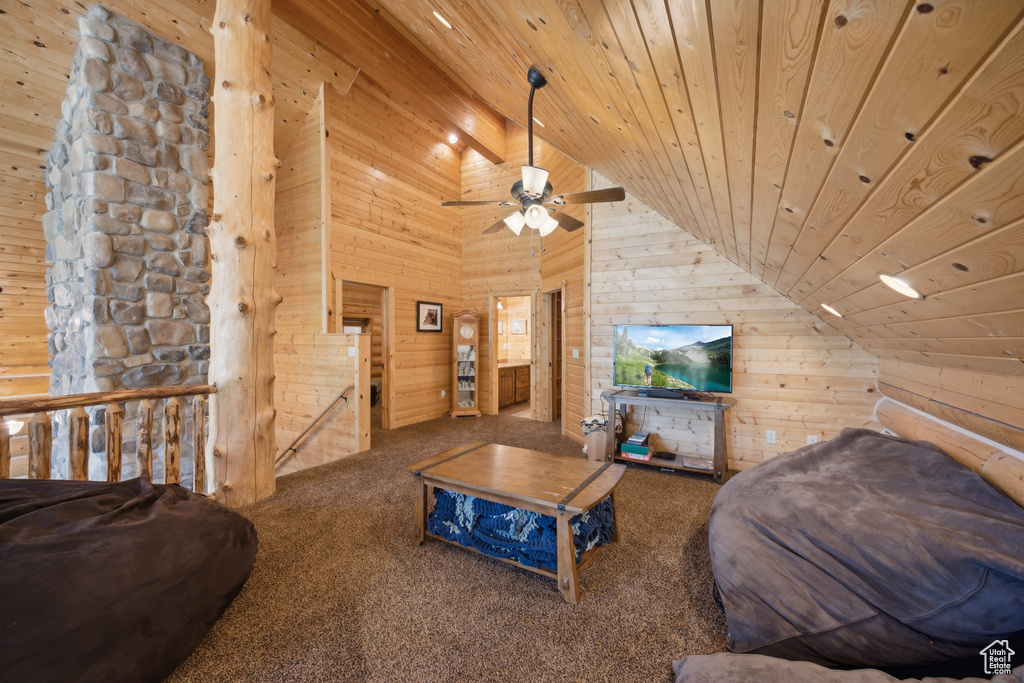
<point>366,309</point>
<point>513,355</point>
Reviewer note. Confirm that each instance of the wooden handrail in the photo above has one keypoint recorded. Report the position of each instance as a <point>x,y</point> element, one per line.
<point>40,432</point>
<point>15,406</point>
<point>316,423</point>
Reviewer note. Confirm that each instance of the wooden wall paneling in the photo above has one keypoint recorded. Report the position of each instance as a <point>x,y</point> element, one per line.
<point>574,404</point>
<point>987,201</point>
<point>1009,323</point>
<point>499,264</point>
<point>299,223</point>
<point>389,170</point>
<point>996,296</point>
<point>790,32</point>
<point>646,90</point>
<point>655,28</point>
<point>312,370</point>
<point>694,45</point>
<point>942,48</point>
<point>854,39</point>
<point>1008,435</point>
<point>736,52</point>
<point>985,121</point>
<point>394,62</point>
<point>606,114</point>
<point>361,393</point>
<point>997,397</point>
<point>364,301</point>
<point>911,422</point>
<point>776,343</point>
<point>39,41</point>
<point>562,268</point>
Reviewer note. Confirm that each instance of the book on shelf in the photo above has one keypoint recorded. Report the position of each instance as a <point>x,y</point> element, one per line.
<point>697,463</point>
<point>634,452</point>
<point>638,438</point>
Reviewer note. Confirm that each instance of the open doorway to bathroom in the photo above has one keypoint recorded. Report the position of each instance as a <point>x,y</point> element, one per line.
<point>513,352</point>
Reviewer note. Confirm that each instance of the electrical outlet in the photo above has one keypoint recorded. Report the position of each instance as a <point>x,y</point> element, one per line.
<point>812,438</point>
<point>769,436</point>
<point>443,393</point>
<point>575,353</point>
<point>351,352</point>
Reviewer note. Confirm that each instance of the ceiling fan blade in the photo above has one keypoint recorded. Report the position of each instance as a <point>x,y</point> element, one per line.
<point>566,222</point>
<point>496,227</point>
<point>481,203</point>
<point>611,194</point>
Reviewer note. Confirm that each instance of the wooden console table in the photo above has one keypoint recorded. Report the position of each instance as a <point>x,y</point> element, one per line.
<point>619,399</point>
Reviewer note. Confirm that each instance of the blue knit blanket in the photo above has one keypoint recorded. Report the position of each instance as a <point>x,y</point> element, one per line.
<point>511,533</point>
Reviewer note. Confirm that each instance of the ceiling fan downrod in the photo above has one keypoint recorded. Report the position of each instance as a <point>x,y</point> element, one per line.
<point>536,80</point>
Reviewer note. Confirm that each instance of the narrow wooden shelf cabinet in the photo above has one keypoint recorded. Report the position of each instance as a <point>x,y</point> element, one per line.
<point>620,399</point>
<point>465,342</point>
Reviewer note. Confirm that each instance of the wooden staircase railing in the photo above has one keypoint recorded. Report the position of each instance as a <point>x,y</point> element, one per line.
<point>40,432</point>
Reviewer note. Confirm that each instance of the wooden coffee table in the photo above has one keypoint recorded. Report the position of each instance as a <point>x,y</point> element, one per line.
<point>553,485</point>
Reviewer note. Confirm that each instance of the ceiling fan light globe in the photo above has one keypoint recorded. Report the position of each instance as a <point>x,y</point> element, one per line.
<point>534,180</point>
<point>515,222</point>
<point>536,216</point>
<point>548,227</point>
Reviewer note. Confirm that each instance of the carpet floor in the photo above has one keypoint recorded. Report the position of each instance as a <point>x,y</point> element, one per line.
<point>340,592</point>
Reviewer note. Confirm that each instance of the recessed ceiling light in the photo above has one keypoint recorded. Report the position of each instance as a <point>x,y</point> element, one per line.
<point>538,122</point>
<point>832,310</point>
<point>444,21</point>
<point>452,138</point>
<point>899,286</point>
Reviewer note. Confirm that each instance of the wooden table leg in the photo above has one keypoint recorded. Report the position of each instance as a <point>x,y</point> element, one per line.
<point>721,461</point>
<point>567,561</point>
<point>421,512</point>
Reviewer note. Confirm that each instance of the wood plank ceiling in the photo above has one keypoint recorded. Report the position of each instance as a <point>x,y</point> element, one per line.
<point>815,143</point>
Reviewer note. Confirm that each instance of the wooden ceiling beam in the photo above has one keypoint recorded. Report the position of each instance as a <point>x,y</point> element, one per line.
<point>361,36</point>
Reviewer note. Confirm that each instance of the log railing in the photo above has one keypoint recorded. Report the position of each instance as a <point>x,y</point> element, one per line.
<point>40,432</point>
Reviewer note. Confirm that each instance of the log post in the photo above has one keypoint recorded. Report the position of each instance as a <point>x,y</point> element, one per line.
<point>40,446</point>
<point>199,444</point>
<point>242,301</point>
<point>5,450</point>
<point>144,441</point>
<point>112,418</point>
<point>172,441</point>
<point>78,445</point>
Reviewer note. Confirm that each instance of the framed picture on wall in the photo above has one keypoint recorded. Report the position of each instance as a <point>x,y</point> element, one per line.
<point>517,327</point>
<point>428,317</point>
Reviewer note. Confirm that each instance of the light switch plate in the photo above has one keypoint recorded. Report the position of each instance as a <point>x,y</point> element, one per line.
<point>769,436</point>
<point>812,438</point>
<point>575,353</point>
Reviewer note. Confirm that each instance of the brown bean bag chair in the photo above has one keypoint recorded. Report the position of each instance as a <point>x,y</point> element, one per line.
<point>112,581</point>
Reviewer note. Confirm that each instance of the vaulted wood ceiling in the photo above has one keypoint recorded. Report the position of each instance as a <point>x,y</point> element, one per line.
<point>814,143</point>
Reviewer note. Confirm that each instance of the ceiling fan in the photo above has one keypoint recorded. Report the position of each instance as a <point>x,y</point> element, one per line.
<point>534,190</point>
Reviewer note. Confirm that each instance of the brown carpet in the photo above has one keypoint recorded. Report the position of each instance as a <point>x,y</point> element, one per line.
<point>340,592</point>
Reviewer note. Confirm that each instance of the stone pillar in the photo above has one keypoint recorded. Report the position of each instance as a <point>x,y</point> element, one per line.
<point>125,227</point>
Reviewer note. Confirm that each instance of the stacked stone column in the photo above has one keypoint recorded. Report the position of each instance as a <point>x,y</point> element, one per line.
<point>129,260</point>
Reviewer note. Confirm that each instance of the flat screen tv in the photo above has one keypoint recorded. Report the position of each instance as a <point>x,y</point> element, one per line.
<point>679,361</point>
